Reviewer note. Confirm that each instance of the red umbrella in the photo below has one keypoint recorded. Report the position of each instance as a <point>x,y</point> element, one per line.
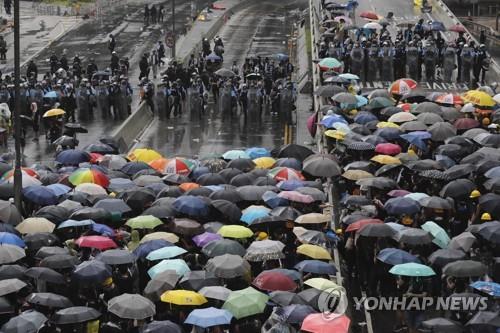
<point>450,99</point>
<point>369,15</point>
<point>311,124</point>
<point>398,193</point>
<point>319,323</point>
<point>273,281</point>
<point>96,242</point>
<point>361,223</point>
<point>95,157</point>
<point>388,149</point>
<point>457,28</point>
<point>465,123</point>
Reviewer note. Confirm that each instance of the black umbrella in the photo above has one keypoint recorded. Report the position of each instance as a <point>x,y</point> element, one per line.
<point>458,189</point>
<point>243,164</point>
<point>287,213</point>
<point>161,327</point>
<point>45,274</point>
<point>227,209</point>
<point>75,314</point>
<point>265,181</point>
<point>285,298</point>
<point>116,257</point>
<point>441,131</point>
<point>492,185</point>
<point>210,179</point>
<point>11,272</point>
<point>254,193</point>
<point>4,227</point>
<point>9,286</point>
<point>413,236</point>
<point>170,191</point>
<point>459,171</point>
<point>50,300</point>
<point>242,179</point>
<point>386,168</point>
<point>442,257</point>
<point>293,150</point>
<point>436,203</point>
<point>6,191</point>
<point>27,322</point>
<point>322,167</point>
<point>36,241</point>
<point>161,282</point>
<point>328,90</point>
<point>195,280</point>
<point>100,148</point>
<point>72,128</point>
<point>98,215</point>
<point>376,230</point>
<point>175,179</point>
<point>47,251</point>
<point>160,212</point>
<point>442,325</point>
<point>231,195</point>
<point>491,232</point>
<point>60,261</point>
<point>9,213</point>
<point>93,272</point>
<point>465,268</point>
<point>381,183</point>
<point>223,246</point>
<point>187,227</point>
<point>484,320</point>
<point>489,202</point>
<point>200,191</point>
<point>10,253</point>
<point>5,306</point>
<point>230,173</point>
<point>451,150</point>
<point>164,202</point>
<point>356,201</point>
<point>310,296</point>
<point>267,221</point>
<point>138,199</point>
<point>55,214</point>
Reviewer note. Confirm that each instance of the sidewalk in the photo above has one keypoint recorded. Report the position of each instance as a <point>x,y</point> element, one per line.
<point>33,39</point>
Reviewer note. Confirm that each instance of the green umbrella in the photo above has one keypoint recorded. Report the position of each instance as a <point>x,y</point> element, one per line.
<point>329,63</point>
<point>440,235</point>
<point>412,269</point>
<point>144,222</point>
<point>246,302</point>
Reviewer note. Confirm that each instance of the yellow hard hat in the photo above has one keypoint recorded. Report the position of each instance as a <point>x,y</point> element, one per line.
<point>486,217</point>
<point>107,282</point>
<point>112,194</point>
<point>261,235</point>
<point>338,231</point>
<point>475,194</point>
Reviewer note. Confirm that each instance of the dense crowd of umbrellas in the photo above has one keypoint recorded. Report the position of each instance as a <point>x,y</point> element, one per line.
<point>152,244</point>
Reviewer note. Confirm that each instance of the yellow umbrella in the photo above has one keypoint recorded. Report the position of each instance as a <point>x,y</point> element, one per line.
<point>169,237</point>
<point>183,297</point>
<point>235,231</point>
<point>144,155</point>
<point>356,174</point>
<point>479,98</point>
<point>321,283</point>
<point>385,159</point>
<point>54,113</point>
<point>384,124</point>
<point>314,251</point>
<point>312,218</point>
<point>264,162</point>
<point>335,134</point>
<point>33,225</point>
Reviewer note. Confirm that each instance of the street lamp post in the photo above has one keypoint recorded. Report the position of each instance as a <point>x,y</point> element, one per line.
<point>17,124</point>
<point>173,29</point>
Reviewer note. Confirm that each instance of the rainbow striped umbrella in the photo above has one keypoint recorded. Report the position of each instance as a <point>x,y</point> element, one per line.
<point>176,165</point>
<point>86,175</point>
<point>284,173</point>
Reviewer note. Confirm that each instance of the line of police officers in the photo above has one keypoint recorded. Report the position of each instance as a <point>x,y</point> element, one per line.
<point>416,52</point>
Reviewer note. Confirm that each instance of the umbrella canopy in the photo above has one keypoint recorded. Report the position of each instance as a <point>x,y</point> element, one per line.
<point>192,206</point>
<point>223,246</point>
<point>245,302</point>
<point>314,252</point>
<point>228,266</point>
<point>177,265</point>
<point>96,242</point>
<point>33,225</point>
<point>316,267</point>
<point>75,314</point>
<point>215,292</point>
<point>442,257</point>
<point>393,256</point>
<point>209,317</point>
<point>116,257</point>
<point>160,283</point>
<point>49,300</point>
<point>442,325</point>
<point>131,306</point>
<point>26,322</point>
<point>265,250</point>
<point>183,297</point>
<point>465,268</point>
<point>487,287</point>
<point>322,167</point>
<point>273,281</point>
<point>40,195</point>
<point>317,323</point>
<point>440,235</point>
<point>144,222</point>
<point>9,286</point>
<point>91,272</point>
<point>235,231</point>
<point>412,269</point>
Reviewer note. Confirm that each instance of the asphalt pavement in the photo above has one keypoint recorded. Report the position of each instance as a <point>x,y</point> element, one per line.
<point>89,40</point>
<point>259,29</point>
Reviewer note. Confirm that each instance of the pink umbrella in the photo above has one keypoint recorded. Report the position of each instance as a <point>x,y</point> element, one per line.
<point>319,323</point>
<point>388,149</point>
<point>96,242</point>
<point>205,238</point>
<point>398,193</point>
<point>296,196</point>
<point>311,124</point>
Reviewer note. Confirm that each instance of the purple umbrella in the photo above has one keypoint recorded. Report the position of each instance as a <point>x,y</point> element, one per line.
<point>311,124</point>
<point>205,238</point>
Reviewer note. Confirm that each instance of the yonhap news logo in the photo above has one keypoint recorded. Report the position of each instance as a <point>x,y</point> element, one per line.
<point>333,302</point>
<point>452,303</point>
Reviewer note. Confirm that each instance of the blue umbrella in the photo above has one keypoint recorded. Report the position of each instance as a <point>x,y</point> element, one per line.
<point>131,168</point>
<point>417,138</point>
<point>328,121</point>
<point>490,288</point>
<point>165,253</point>
<point>401,205</point>
<point>91,272</point>
<point>435,26</point>
<point>290,185</point>
<point>295,313</point>
<point>256,152</point>
<point>273,200</point>
<point>50,94</point>
<point>74,223</point>
<point>209,317</point>
<point>365,117</point>
<point>253,214</point>
<point>103,229</point>
<point>316,267</point>
<point>394,256</point>
<point>40,195</point>
<point>8,238</point>
<point>289,162</point>
<point>72,157</point>
<point>145,248</point>
<point>213,57</point>
<point>59,189</point>
<point>388,133</point>
<point>177,265</point>
<point>191,205</point>
<point>199,171</point>
<point>281,56</point>
<point>445,161</point>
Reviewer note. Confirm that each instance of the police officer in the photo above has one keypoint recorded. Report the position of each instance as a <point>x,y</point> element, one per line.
<point>399,60</point>
<point>91,68</point>
<point>357,60</point>
<point>372,63</point>
<point>449,60</point>
<point>467,61</point>
<point>386,56</point>
<point>430,56</point>
<point>480,59</point>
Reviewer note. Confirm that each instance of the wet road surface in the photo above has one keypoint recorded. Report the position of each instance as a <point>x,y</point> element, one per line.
<point>260,29</point>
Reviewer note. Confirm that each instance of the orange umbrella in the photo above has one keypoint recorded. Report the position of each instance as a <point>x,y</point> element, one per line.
<point>188,186</point>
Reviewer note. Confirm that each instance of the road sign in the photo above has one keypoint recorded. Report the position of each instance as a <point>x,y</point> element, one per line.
<point>169,39</point>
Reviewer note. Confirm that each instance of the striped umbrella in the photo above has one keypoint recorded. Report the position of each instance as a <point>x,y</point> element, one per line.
<point>176,165</point>
<point>402,86</point>
<point>284,173</point>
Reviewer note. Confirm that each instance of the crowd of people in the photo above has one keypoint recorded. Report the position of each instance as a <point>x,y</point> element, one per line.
<point>416,50</point>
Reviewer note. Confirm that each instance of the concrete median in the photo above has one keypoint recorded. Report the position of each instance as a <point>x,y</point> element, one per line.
<point>133,126</point>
